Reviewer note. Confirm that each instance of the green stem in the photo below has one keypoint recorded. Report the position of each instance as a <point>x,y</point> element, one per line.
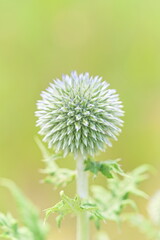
<point>82,191</point>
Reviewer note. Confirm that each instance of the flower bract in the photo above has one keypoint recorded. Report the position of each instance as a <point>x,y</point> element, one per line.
<point>79,114</point>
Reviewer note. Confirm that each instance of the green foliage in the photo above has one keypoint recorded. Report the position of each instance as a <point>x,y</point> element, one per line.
<point>59,177</point>
<point>112,201</point>
<point>74,206</point>
<point>107,168</point>
<point>148,225</point>
<point>144,225</point>
<point>11,230</point>
<point>105,203</point>
<point>29,213</point>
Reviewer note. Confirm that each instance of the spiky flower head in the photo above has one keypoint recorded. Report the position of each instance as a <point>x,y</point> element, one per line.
<point>79,114</point>
<point>154,208</point>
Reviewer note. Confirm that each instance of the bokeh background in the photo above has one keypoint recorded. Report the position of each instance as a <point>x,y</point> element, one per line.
<point>40,40</point>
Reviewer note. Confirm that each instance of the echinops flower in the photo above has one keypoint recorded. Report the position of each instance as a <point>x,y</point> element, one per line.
<point>79,114</point>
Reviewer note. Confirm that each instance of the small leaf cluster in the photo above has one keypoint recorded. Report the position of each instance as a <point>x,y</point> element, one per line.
<point>74,206</point>
<point>33,227</point>
<point>59,177</point>
<point>145,225</point>
<point>118,193</point>
<point>11,230</point>
<point>107,168</point>
<point>148,225</point>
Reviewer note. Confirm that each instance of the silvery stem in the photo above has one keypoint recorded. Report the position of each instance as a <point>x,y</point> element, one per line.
<point>82,191</point>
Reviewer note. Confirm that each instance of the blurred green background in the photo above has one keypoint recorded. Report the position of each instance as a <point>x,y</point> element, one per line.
<point>40,40</point>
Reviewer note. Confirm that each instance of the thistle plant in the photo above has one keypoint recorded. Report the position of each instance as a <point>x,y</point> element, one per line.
<point>78,115</point>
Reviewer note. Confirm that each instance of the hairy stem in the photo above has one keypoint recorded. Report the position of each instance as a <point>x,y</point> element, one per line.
<point>82,191</point>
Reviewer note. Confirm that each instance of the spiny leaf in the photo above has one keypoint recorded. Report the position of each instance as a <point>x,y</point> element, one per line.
<point>74,206</point>
<point>144,225</point>
<point>11,230</point>
<point>141,173</point>
<point>117,196</point>
<point>29,213</point>
<point>59,177</point>
<point>44,151</point>
<point>107,168</point>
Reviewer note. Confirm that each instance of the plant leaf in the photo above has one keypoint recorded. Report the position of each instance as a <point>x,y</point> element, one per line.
<point>59,177</point>
<point>112,201</point>
<point>11,230</point>
<point>29,213</point>
<point>107,168</point>
<point>144,225</point>
<point>74,206</point>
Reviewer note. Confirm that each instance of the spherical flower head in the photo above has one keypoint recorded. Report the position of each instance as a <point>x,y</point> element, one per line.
<point>154,208</point>
<point>79,114</point>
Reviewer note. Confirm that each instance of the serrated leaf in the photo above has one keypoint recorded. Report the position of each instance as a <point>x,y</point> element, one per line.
<point>112,201</point>
<point>59,177</point>
<point>107,168</point>
<point>144,225</point>
<point>74,206</point>
<point>29,213</point>
<point>11,230</point>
